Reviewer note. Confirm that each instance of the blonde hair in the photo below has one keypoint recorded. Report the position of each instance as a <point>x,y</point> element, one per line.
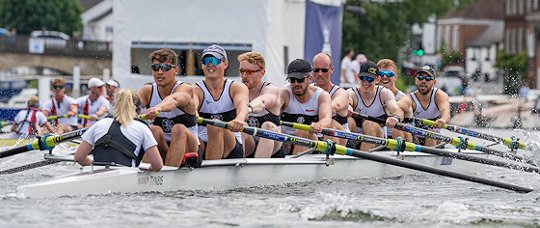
<point>387,63</point>
<point>59,80</point>
<point>252,57</point>
<point>32,101</point>
<point>124,106</point>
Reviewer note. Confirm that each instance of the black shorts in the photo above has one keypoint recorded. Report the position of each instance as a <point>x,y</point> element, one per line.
<point>236,152</point>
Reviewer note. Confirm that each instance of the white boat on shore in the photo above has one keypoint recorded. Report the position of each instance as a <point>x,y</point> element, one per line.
<point>237,173</point>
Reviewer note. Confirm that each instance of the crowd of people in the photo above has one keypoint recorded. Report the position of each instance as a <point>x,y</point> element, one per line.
<point>172,107</point>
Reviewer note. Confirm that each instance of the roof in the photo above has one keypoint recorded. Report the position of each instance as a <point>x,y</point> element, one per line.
<point>87,4</point>
<point>483,9</point>
<point>492,34</point>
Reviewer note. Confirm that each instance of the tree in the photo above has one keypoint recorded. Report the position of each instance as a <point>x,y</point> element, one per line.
<point>29,15</point>
<point>515,70</point>
<point>384,28</point>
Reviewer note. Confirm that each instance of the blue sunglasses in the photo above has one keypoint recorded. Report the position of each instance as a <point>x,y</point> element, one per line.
<point>211,59</point>
<point>387,73</point>
<point>367,78</point>
<point>427,77</point>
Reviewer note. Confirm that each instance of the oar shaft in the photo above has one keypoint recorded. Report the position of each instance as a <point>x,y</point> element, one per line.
<point>393,144</point>
<point>323,147</point>
<point>47,142</point>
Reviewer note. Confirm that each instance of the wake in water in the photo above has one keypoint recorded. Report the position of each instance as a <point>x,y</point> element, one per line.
<point>532,152</point>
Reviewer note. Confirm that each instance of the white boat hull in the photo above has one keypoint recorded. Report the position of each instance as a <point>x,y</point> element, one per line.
<point>234,173</point>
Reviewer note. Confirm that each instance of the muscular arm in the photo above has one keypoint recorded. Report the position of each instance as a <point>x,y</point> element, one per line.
<point>352,101</point>
<point>340,101</point>
<point>284,98</point>
<point>441,99</point>
<point>240,97</point>
<point>180,97</point>
<point>144,94</point>
<point>266,100</point>
<point>325,110</point>
<point>390,104</point>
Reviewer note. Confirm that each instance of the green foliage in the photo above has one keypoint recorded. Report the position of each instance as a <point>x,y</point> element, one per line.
<point>449,57</point>
<point>515,70</point>
<point>29,15</point>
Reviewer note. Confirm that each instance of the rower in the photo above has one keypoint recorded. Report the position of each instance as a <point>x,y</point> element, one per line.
<point>60,105</point>
<point>111,87</point>
<point>94,105</point>
<point>29,121</point>
<point>222,99</point>
<point>169,103</point>
<point>388,77</point>
<point>428,102</point>
<point>264,106</point>
<point>302,102</point>
<point>372,100</point>
<point>120,139</point>
<point>323,68</point>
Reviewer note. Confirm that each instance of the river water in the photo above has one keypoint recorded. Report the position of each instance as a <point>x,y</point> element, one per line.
<point>415,200</point>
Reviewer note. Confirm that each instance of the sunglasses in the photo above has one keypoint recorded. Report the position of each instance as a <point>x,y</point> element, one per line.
<point>428,78</point>
<point>386,73</point>
<point>324,70</point>
<point>163,66</point>
<point>298,80</point>
<point>57,86</point>
<point>367,78</point>
<point>211,59</point>
<point>248,72</point>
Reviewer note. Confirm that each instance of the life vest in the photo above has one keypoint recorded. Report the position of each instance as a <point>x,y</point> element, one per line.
<point>115,147</point>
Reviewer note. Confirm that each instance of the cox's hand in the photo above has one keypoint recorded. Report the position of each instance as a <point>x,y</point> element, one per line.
<point>236,125</point>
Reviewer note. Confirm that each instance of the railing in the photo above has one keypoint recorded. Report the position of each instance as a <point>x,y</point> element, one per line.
<point>21,44</point>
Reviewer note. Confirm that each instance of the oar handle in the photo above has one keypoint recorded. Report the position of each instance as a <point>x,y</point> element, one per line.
<point>82,116</point>
<point>371,118</point>
<point>298,126</point>
<point>145,116</point>
<point>324,147</point>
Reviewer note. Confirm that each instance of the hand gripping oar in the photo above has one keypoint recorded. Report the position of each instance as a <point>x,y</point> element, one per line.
<point>512,142</point>
<point>459,142</point>
<point>400,145</point>
<point>4,123</point>
<point>47,142</point>
<point>330,148</point>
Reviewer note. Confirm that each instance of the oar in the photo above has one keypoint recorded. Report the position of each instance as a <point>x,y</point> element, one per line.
<point>458,142</point>
<point>402,145</point>
<point>510,142</point>
<point>47,142</point>
<point>4,123</point>
<point>81,116</point>
<point>330,148</point>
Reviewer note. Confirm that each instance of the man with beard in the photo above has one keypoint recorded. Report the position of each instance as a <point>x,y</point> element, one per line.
<point>372,100</point>
<point>170,104</point>
<point>222,99</point>
<point>264,106</point>
<point>388,77</point>
<point>428,102</point>
<point>322,69</point>
<point>304,103</point>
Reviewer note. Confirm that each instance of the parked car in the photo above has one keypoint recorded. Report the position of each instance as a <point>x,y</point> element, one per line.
<point>51,38</point>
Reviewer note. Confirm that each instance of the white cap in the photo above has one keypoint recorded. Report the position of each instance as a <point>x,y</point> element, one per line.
<point>95,82</point>
<point>112,83</point>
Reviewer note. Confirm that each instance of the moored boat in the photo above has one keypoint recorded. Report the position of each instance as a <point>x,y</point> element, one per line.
<point>236,173</point>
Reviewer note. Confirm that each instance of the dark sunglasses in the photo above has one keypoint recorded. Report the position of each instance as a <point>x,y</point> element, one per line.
<point>57,86</point>
<point>211,59</point>
<point>386,73</point>
<point>427,77</point>
<point>324,70</point>
<point>367,78</point>
<point>299,80</point>
<point>248,72</point>
<point>163,66</point>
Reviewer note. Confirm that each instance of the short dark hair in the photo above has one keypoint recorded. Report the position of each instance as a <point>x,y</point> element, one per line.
<point>164,55</point>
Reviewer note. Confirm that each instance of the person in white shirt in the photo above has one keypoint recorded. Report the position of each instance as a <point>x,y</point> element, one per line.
<point>94,105</point>
<point>348,75</point>
<point>30,120</point>
<point>62,106</point>
<point>120,139</point>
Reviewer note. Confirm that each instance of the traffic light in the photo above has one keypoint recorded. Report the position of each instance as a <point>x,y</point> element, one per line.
<point>417,48</point>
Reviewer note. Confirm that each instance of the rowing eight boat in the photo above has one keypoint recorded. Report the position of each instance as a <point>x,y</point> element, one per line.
<point>236,173</point>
